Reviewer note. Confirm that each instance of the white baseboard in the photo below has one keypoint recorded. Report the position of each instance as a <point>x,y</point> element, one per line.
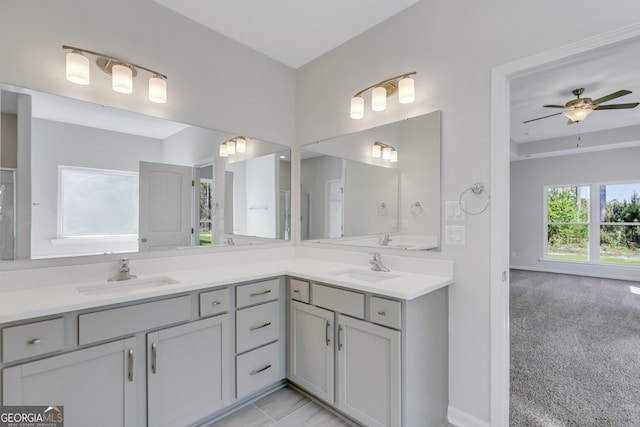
<point>462,419</point>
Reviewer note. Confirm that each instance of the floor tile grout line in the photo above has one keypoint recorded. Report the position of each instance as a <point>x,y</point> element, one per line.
<point>290,414</point>
<point>273,421</point>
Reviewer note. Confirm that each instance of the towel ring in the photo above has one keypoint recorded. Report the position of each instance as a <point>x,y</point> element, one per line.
<point>477,189</point>
<point>416,209</point>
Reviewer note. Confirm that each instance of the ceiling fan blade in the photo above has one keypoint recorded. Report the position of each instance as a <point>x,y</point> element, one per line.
<point>611,96</point>
<point>617,106</point>
<point>554,106</point>
<point>543,117</point>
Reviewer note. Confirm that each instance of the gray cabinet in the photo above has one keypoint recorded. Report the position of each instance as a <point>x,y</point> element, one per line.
<point>96,385</point>
<point>311,361</point>
<point>349,363</point>
<point>368,380</point>
<point>188,371</point>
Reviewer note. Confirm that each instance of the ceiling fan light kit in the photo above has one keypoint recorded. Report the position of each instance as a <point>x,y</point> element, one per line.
<point>578,109</point>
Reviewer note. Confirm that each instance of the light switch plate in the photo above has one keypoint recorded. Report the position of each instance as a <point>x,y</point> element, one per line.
<point>453,212</point>
<point>454,234</point>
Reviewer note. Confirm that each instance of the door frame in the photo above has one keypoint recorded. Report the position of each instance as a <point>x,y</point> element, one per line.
<point>500,176</point>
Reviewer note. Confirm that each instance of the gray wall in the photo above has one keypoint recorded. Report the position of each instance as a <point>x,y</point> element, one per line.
<point>528,179</point>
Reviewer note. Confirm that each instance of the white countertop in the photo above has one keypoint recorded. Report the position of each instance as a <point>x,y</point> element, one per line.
<point>33,302</point>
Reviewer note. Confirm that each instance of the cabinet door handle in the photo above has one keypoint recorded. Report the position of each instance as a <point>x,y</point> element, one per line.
<point>264,325</point>
<point>339,337</point>
<point>35,341</point>
<point>216,303</point>
<point>382,313</point>
<point>326,333</point>
<point>257,371</point>
<point>296,291</point>
<point>154,358</point>
<point>130,373</point>
<point>255,294</point>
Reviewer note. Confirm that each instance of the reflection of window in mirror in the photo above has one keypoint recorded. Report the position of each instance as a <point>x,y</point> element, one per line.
<point>206,204</point>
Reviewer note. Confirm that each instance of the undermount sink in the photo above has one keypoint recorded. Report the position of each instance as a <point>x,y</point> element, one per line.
<point>364,275</point>
<point>124,287</point>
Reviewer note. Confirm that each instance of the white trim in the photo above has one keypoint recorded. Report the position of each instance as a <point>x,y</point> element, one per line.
<point>462,419</point>
<point>500,152</point>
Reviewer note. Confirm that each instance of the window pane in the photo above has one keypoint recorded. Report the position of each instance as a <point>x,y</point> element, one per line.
<point>620,244</point>
<point>620,203</point>
<point>95,202</point>
<point>568,242</point>
<point>568,204</point>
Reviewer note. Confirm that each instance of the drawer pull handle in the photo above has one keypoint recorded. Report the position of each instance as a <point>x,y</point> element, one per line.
<point>296,291</point>
<point>382,313</point>
<point>130,373</point>
<point>326,333</point>
<point>154,358</point>
<point>256,294</point>
<point>35,341</point>
<point>216,303</point>
<point>264,325</point>
<point>339,337</point>
<point>257,371</point>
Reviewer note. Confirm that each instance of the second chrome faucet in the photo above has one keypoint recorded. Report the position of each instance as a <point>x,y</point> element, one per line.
<point>376,262</point>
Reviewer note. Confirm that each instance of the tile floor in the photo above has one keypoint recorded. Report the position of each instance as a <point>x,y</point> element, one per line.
<point>282,408</point>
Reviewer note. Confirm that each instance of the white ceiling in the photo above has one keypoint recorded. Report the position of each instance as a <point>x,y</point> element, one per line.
<point>599,74</point>
<point>293,32</point>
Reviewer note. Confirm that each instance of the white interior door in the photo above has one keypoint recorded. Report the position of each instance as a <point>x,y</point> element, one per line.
<point>166,193</point>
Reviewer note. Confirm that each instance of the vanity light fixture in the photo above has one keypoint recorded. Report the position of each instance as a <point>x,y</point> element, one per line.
<point>235,145</point>
<point>384,151</point>
<point>121,72</point>
<point>402,84</point>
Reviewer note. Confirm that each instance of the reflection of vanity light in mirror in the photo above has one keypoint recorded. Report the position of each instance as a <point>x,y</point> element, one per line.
<point>76,144</point>
<point>233,146</point>
<point>402,84</point>
<point>384,151</point>
<point>122,73</point>
<point>351,195</point>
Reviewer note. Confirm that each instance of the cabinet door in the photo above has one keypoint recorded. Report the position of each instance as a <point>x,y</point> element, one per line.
<point>368,372</point>
<point>311,361</point>
<point>95,385</point>
<point>188,370</point>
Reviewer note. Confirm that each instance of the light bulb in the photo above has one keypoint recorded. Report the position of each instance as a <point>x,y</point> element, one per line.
<point>157,89</point>
<point>223,151</point>
<point>394,156</point>
<point>121,78</point>
<point>386,153</point>
<point>406,91</point>
<point>231,147</point>
<point>77,68</point>
<point>357,107</point>
<point>241,145</point>
<point>376,151</point>
<point>379,99</point>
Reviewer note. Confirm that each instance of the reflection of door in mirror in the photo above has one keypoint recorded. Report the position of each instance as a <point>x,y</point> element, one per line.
<point>165,206</point>
<point>334,219</point>
<point>284,226</point>
<point>205,210</point>
<point>7,214</point>
<point>304,216</point>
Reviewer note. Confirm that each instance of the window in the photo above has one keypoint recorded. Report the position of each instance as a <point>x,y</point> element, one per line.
<point>612,236</point>
<point>620,223</point>
<point>568,223</point>
<point>97,202</point>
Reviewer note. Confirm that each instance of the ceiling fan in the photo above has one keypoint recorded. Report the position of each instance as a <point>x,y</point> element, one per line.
<point>578,109</point>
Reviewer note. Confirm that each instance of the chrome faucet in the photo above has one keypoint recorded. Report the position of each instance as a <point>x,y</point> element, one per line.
<point>385,241</point>
<point>376,262</point>
<point>229,241</point>
<point>123,271</point>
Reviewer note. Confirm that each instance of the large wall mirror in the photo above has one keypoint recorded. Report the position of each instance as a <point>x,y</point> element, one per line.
<point>375,188</point>
<point>84,179</point>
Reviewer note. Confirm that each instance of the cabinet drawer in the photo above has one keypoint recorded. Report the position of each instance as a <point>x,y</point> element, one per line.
<point>214,302</point>
<point>347,302</point>
<point>257,325</point>
<point>258,369</point>
<point>299,290</point>
<point>32,339</point>
<point>102,325</point>
<point>255,293</point>
<point>385,312</point>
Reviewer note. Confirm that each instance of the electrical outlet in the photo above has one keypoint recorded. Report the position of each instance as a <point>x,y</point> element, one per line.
<point>454,234</point>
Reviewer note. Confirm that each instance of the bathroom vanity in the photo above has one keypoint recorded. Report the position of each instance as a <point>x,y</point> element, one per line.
<point>188,346</point>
